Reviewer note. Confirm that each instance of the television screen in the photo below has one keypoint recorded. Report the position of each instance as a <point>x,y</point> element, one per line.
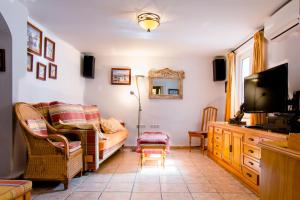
<point>267,91</point>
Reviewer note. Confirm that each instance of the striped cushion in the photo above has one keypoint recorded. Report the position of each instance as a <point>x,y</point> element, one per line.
<point>67,113</point>
<point>13,189</point>
<point>92,114</point>
<point>43,108</point>
<point>38,127</point>
<point>73,146</point>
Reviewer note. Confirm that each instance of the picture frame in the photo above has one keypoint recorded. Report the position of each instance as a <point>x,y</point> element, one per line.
<point>121,76</point>
<point>41,71</point>
<point>49,49</point>
<point>52,71</point>
<point>29,62</point>
<point>34,39</point>
<point>2,60</point>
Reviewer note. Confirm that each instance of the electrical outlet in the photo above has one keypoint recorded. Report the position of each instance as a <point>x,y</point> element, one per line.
<point>141,126</point>
<point>154,126</point>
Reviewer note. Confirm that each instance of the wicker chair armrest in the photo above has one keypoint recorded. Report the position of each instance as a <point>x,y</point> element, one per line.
<point>63,139</point>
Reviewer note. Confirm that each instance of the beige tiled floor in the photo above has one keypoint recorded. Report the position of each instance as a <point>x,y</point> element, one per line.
<point>187,176</point>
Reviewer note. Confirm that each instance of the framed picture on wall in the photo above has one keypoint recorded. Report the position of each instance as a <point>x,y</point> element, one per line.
<point>120,76</point>
<point>52,71</point>
<point>29,62</point>
<point>2,60</point>
<point>34,39</point>
<point>49,49</point>
<point>41,71</point>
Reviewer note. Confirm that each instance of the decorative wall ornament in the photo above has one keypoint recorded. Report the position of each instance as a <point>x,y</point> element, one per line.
<point>41,71</point>
<point>34,39</point>
<point>52,71</point>
<point>49,49</point>
<point>120,76</point>
<point>29,62</point>
<point>2,60</point>
<point>166,84</point>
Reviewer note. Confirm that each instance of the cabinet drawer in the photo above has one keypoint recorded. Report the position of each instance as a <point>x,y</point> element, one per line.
<point>250,175</point>
<point>218,130</point>
<point>218,153</point>
<point>251,139</point>
<point>218,146</point>
<point>251,163</point>
<point>218,138</point>
<point>252,151</point>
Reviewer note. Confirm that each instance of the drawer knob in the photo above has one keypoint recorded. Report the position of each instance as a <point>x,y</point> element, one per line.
<point>249,175</point>
<point>251,139</point>
<point>251,163</point>
<point>250,151</point>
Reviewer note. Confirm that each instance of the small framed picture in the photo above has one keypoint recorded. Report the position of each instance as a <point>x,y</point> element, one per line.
<point>52,71</point>
<point>29,62</point>
<point>34,39</point>
<point>41,71</point>
<point>49,49</point>
<point>2,60</point>
<point>173,91</point>
<point>120,76</point>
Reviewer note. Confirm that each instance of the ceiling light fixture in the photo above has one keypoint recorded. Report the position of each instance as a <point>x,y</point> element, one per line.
<point>148,21</point>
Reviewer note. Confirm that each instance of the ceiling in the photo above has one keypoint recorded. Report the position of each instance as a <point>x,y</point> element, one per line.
<point>189,27</point>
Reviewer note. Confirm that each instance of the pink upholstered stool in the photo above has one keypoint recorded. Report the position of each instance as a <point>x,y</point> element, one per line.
<point>150,144</point>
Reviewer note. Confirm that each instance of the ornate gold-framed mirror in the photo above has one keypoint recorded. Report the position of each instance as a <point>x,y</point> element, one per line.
<point>166,84</point>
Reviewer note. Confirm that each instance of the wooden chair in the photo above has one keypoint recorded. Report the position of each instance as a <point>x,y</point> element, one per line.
<point>209,114</point>
<point>50,156</point>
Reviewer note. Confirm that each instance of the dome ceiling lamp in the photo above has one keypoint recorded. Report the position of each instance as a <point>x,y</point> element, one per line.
<point>148,21</point>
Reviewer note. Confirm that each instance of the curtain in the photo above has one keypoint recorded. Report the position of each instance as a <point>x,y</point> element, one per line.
<point>258,66</point>
<point>231,71</point>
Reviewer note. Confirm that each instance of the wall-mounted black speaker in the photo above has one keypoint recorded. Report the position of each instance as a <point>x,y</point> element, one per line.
<point>219,65</point>
<point>88,66</point>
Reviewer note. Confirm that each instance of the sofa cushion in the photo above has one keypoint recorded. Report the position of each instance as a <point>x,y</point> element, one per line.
<point>67,113</point>
<point>113,139</point>
<point>111,125</point>
<point>92,114</point>
<point>43,108</point>
<point>38,127</point>
<point>73,146</point>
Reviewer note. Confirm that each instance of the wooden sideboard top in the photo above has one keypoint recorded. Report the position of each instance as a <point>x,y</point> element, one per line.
<point>257,132</point>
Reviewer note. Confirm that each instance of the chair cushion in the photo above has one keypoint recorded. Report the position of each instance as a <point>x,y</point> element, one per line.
<point>12,189</point>
<point>111,125</point>
<point>73,146</point>
<point>67,113</point>
<point>38,127</point>
<point>92,114</point>
<point>43,108</point>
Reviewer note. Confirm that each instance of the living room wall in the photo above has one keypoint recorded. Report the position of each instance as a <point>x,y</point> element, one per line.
<point>286,50</point>
<point>174,116</point>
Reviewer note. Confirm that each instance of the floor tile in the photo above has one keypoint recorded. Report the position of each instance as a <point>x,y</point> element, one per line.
<point>119,187</point>
<point>115,196</point>
<point>177,196</point>
<point>201,187</point>
<point>168,187</point>
<point>91,187</point>
<point>207,196</point>
<point>171,179</point>
<point>233,196</point>
<point>146,187</point>
<point>146,196</point>
<point>84,195</point>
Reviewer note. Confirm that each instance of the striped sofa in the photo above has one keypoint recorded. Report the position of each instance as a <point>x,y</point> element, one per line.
<point>95,150</point>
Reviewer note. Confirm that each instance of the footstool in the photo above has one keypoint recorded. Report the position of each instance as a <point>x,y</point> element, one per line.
<point>153,143</point>
<point>15,189</point>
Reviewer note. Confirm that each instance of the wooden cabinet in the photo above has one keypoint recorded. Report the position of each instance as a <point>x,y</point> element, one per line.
<point>236,149</point>
<point>237,143</point>
<point>227,146</point>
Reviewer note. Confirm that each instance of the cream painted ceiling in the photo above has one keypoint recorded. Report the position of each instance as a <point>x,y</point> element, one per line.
<point>189,27</point>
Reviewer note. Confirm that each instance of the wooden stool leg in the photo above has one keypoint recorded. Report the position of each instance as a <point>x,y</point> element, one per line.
<point>190,143</point>
<point>202,143</point>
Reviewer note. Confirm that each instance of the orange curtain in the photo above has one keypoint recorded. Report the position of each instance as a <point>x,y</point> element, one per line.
<point>231,69</point>
<point>258,66</point>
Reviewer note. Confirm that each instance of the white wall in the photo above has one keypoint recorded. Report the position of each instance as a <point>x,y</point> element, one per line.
<point>68,86</point>
<point>174,116</point>
<point>286,50</point>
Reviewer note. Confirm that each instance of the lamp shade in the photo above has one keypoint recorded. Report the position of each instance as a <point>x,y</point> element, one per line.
<point>148,21</point>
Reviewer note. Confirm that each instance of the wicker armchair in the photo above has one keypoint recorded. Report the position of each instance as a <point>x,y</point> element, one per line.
<point>50,157</point>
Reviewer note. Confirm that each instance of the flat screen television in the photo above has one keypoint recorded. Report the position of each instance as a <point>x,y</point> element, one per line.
<point>267,91</point>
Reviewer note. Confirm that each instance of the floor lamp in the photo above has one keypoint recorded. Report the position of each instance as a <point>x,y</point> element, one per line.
<point>138,96</point>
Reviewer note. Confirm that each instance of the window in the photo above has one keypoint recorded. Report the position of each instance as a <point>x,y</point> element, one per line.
<point>243,69</point>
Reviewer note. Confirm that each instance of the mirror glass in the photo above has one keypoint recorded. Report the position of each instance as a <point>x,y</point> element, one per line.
<point>162,86</point>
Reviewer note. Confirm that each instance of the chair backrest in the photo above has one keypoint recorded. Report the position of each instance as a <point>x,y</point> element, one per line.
<point>209,114</point>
